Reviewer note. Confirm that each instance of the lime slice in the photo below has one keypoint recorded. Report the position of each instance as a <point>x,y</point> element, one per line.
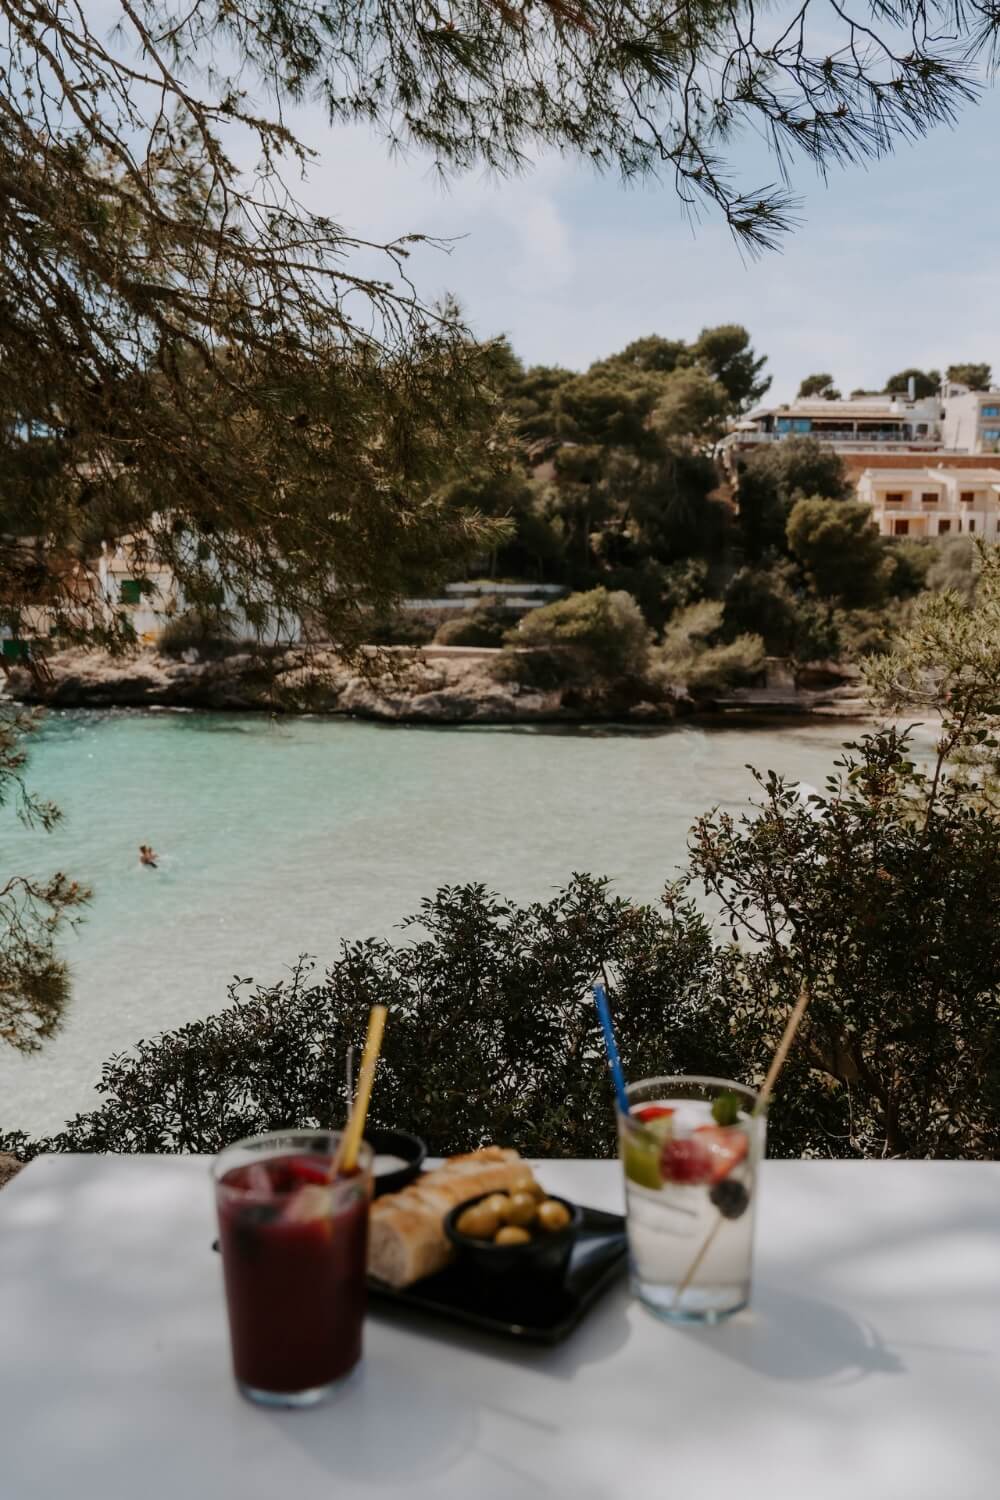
<point>642,1164</point>
<point>662,1127</point>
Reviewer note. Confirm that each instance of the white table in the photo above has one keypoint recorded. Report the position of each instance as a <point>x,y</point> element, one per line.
<point>869,1367</point>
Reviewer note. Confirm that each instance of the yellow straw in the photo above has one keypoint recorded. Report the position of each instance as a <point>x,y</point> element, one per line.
<point>348,1155</point>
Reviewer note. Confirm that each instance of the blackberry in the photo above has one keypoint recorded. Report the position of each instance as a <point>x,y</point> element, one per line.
<point>730,1198</point>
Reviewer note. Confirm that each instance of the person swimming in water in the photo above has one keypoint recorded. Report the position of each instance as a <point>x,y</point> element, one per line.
<point>147,856</point>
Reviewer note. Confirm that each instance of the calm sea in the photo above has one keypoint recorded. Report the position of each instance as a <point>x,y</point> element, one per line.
<point>278,838</point>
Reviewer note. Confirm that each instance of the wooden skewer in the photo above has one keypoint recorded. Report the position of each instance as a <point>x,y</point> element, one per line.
<point>778,1060</point>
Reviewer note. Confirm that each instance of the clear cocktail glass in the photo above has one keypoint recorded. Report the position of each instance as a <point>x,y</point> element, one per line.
<point>690,1149</point>
<point>293,1246</point>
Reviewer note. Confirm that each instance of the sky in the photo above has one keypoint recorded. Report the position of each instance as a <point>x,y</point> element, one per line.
<point>894,265</point>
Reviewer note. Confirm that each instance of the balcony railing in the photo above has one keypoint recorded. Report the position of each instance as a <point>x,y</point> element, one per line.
<point>855,439</point>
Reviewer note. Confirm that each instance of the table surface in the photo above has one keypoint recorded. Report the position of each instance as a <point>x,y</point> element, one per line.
<point>868,1366</point>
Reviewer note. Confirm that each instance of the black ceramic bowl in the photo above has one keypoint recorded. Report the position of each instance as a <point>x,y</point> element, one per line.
<point>400,1143</point>
<point>545,1258</point>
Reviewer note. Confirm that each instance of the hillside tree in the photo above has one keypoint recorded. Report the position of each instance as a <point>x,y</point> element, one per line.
<point>976,377</point>
<point>818,385</point>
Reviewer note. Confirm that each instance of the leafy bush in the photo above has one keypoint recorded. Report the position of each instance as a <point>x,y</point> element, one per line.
<point>954,567</point>
<point>492,1033</point>
<point>731,664</point>
<point>879,893</point>
<point>597,637</point>
<point>405,627</point>
<point>771,602</point>
<point>910,560</point>
<point>692,654</point>
<point>541,670</point>
<point>485,625</point>
<point>866,632</point>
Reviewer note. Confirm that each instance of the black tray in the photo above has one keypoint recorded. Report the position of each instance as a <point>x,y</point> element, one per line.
<point>521,1310</point>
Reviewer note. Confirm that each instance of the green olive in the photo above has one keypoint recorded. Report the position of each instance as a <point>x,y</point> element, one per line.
<point>512,1234</point>
<point>553,1215</point>
<point>478,1222</point>
<point>524,1182</point>
<point>497,1204</point>
<point>521,1210</point>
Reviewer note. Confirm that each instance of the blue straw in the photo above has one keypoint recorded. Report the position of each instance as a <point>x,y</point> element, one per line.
<point>614,1061</point>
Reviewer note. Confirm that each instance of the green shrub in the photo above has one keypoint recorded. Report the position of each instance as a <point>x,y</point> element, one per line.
<point>492,1033</point>
<point>910,559</point>
<point>485,625</point>
<point>692,654</point>
<point>542,670</point>
<point>732,664</point>
<point>772,603</point>
<point>954,567</point>
<point>405,627</point>
<point>599,634</point>
<point>867,632</point>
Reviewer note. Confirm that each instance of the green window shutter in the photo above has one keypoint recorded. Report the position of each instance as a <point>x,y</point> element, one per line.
<point>15,650</point>
<point>131,591</point>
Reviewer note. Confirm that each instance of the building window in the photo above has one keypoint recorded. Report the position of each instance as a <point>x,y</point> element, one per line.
<point>944,525</point>
<point>929,497</point>
<point>894,499</point>
<point>972,523</point>
<point>991,434</point>
<point>793,424</point>
<point>967,497</point>
<point>989,411</point>
<point>900,528</point>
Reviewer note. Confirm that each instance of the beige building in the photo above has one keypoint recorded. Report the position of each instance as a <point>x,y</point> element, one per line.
<point>933,501</point>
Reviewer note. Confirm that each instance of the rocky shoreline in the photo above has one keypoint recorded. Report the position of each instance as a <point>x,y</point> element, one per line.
<point>425,685</point>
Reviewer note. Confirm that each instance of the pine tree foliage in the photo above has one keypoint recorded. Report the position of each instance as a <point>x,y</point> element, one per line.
<point>34,981</point>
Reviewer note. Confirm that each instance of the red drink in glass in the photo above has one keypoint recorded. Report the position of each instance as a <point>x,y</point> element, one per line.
<point>293,1252</point>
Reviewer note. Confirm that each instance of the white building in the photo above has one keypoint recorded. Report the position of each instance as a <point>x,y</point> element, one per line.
<point>933,501</point>
<point>881,423</point>
<point>971,421</point>
<point>955,421</point>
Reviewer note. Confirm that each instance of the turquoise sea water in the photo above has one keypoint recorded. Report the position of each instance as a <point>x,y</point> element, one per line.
<point>278,838</point>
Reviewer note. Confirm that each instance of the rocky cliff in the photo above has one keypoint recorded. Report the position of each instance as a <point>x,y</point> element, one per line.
<point>421,685</point>
<point>434,685</point>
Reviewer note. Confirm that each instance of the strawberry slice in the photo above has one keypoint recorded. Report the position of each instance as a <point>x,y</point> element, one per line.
<point>306,1169</point>
<point>726,1146</point>
<point>651,1112</point>
<point>686,1161</point>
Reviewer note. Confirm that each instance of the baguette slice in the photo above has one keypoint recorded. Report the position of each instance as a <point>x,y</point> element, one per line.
<point>406,1238</point>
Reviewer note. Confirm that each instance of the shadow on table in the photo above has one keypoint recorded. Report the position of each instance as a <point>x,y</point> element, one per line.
<point>603,1330</point>
<point>788,1337</point>
<point>423,1439</point>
